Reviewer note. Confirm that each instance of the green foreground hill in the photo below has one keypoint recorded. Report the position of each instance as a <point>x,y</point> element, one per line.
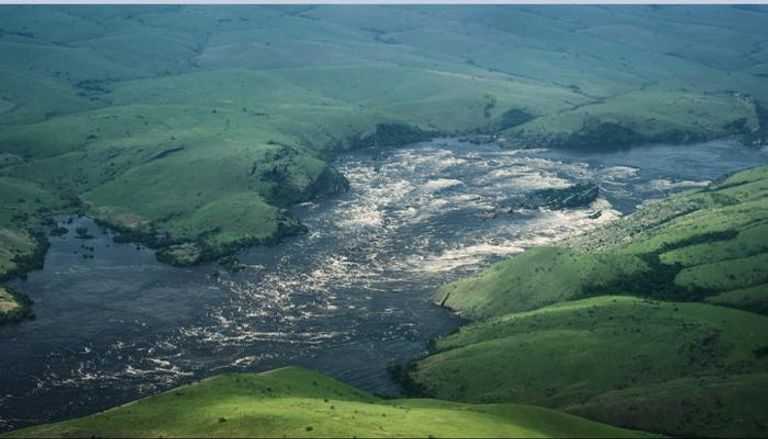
<point>656,321</point>
<point>293,402</point>
<point>194,129</point>
<point>675,368</point>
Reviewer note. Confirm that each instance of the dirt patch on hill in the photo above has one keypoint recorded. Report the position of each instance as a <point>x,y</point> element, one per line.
<point>7,302</point>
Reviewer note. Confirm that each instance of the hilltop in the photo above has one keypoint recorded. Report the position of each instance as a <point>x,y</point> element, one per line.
<point>296,402</point>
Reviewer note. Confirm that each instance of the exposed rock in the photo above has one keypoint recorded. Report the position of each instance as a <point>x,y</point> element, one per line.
<point>232,263</point>
<point>329,182</point>
<point>578,195</point>
<point>499,210</point>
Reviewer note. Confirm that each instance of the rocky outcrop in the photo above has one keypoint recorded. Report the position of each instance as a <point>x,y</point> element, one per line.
<point>578,195</point>
<point>328,182</point>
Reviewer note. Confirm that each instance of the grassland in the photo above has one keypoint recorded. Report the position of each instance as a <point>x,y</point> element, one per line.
<point>655,321</point>
<point>24,213</point>
<point>293,402</point>
<point>583,356</point>
<point>195,129</point>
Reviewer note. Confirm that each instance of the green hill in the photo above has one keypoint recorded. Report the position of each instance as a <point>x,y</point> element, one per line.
<point>155,119</point>
<point>293,402</point>
<point>708,245</point>
<point>631,324</point>
<point>609,358</point>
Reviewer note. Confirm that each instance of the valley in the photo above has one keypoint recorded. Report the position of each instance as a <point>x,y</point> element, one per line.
<point>351,297</point>
<point>156,121</point>
<point>432,220</point>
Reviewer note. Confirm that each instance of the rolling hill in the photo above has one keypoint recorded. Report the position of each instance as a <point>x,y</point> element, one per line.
<point>293,402</point>
<point>655,321</point>
<point>155,120</point>
<point>195,129</point>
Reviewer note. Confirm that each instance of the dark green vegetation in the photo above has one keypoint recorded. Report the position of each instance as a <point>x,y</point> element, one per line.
<point>295,402</point>
<point>656,321</point>
<point>194,129</point>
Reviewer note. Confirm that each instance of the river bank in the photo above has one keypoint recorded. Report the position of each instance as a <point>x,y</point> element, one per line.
<point>350,297</point>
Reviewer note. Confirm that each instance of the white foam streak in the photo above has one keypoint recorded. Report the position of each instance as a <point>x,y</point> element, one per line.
<point>664,184</point>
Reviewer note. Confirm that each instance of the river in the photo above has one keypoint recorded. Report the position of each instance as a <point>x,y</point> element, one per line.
<point>348,298</point>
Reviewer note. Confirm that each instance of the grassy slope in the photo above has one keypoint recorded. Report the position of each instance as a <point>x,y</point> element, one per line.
<point>295,402</point>
<point>587,355</point>
<point>161,118</point>
<point>23,210</point>
<point>706,244</point>
<point>24,203</point>
<point>683,368</point>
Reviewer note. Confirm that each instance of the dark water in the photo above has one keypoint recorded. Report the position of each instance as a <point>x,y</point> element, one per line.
<point>348,298</point>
